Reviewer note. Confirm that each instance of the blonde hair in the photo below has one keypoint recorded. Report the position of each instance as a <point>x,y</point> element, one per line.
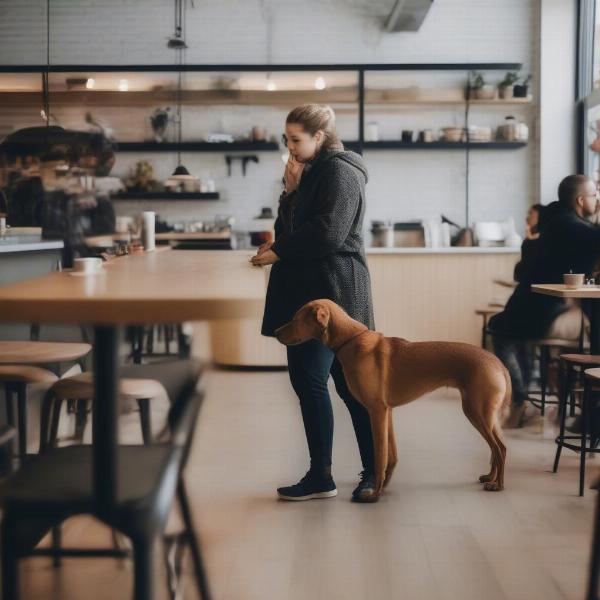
<point>317,117</point>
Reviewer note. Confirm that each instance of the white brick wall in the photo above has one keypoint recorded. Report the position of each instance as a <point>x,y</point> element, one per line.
<point>403,185</point>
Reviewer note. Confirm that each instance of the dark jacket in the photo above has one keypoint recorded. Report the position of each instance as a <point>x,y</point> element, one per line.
<point>567,243</point>
<point>529,252</point>
<point>318,237</point>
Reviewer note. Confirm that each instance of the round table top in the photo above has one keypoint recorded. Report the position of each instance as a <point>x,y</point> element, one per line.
<point>39,353</point>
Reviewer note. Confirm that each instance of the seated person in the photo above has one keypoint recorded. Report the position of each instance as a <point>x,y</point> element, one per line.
<point>530,243</point>
<point>568,242</point>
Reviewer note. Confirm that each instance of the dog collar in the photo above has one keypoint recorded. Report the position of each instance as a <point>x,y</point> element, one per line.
<point>336,350</point>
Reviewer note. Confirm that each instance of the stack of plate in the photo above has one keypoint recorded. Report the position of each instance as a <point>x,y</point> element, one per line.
<point>480,134</point>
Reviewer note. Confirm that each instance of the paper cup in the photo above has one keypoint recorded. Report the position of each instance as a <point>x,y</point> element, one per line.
<point>573,280</point>
<point>87,265</point>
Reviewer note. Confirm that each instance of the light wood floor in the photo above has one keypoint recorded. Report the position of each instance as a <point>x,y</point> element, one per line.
<point>434,535</point>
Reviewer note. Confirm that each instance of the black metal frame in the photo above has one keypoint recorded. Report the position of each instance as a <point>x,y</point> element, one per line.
<point>266,67</point>
<point>584,66</point>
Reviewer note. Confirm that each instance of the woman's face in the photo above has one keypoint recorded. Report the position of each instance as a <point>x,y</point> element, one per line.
<point>533,217</point>
<point>302,145</point>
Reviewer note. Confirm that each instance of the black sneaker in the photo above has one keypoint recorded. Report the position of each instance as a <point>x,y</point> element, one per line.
<point>311,486</point>
<point>365,490</point>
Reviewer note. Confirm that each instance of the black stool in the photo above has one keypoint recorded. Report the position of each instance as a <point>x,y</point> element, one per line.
<point>592,384</point>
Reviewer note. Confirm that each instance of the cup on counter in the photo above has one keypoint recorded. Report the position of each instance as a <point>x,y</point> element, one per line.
<point>88,265</point>
<point>573,280</point>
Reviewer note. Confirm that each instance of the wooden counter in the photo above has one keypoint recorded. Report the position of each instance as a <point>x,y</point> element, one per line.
<point>418,294</point>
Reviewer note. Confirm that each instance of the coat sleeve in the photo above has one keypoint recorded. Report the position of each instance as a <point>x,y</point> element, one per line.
<point>335,209</point>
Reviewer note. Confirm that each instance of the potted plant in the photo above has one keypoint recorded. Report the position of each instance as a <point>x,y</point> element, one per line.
<point>505,87</point>
<point>479,89</point>
<point>522,90</point>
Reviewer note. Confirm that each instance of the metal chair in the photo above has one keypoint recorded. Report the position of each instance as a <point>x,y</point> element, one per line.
<point>58,484</point>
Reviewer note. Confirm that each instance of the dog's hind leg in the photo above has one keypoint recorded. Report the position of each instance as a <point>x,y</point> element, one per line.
<point>502,460</point>
<point>392,450</point>
<point>484,420</point>
<point>472,417</point>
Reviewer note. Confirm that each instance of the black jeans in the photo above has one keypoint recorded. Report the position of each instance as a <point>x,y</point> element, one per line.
<point>310,365</point>
<point>515,354</point>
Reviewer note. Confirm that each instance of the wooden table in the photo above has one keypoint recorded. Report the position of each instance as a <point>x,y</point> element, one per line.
<point>155,287</point>
<point>590,292</point>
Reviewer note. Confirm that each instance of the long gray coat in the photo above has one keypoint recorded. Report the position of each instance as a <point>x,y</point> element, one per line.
<point>318,237</point>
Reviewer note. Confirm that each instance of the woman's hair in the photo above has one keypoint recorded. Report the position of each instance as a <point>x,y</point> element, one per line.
<point>317,117</point>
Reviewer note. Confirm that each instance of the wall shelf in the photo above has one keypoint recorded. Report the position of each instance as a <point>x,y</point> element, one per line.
<point>197,147</point>
<point>398,145</point>
<point>165,196</point>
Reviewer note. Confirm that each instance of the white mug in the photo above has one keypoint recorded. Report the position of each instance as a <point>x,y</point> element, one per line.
<point>87,265</point>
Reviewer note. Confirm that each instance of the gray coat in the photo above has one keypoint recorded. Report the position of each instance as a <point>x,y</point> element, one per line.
<point>318,237</point>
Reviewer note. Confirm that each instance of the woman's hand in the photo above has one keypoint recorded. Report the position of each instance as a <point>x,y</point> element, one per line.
<point>268,257</point>
<point>263,248</point>
<point>292,174</point>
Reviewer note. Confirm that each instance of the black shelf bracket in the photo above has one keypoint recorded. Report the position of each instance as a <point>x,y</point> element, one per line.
<point>245,159</point>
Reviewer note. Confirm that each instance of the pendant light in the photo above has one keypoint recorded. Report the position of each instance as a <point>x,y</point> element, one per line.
<point>178,44</point>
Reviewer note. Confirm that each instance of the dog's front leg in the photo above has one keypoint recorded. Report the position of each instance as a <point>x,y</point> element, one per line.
<point>392,450</point>
<point>379,428</point>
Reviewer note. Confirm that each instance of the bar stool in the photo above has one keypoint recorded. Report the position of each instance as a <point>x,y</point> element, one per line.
<point>80,388</point>
<point>18,360</point>
<point>485,313</point>
<point>16,378</point>
<point>592,384</point>
<point>546,345</point>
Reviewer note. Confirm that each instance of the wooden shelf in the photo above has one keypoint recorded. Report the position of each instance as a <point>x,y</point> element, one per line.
<point>166,196</point>
<point>397,145</point>
<point>197,147</point>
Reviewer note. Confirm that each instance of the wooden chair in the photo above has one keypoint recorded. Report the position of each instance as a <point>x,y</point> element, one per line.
<point>80,388</point>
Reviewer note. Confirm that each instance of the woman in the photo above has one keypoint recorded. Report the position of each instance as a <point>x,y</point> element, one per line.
<point>530,244</point>
<point>318,252</point>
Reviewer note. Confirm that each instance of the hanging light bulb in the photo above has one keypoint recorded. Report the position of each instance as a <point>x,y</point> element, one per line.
<point>90,84</point>
<point>123,85</point>
<point>320,83</point>
<point>271,86</point>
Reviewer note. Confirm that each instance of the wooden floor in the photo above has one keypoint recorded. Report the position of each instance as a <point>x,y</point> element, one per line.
<point>434,535</point>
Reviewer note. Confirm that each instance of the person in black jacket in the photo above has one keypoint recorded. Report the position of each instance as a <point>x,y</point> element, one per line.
<point>318,252</point>
<point>568,242</point>
<point>531,242</point>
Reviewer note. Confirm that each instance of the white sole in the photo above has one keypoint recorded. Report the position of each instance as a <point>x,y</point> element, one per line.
<point>314,496</point>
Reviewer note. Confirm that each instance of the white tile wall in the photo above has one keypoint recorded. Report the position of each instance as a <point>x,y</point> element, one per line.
<point>403,185</point>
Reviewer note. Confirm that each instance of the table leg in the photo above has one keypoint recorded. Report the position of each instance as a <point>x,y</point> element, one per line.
<point>105,423</point>
<point>594,576</point>
<point>595,326</point>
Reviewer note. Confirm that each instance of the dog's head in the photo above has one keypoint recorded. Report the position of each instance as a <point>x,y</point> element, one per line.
<point>310,322</point>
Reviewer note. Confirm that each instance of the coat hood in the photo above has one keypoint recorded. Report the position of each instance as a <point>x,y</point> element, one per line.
<point>352,158</point>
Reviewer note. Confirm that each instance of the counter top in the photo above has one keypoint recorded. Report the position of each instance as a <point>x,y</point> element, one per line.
<point>155,287</point>
<point>451,250</point>
<point>27,243</point>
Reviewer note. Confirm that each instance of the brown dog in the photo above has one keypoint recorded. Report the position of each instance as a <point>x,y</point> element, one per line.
<point>383,372</point>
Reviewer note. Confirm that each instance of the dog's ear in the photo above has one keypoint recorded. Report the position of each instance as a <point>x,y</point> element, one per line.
<point>321,314</point>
